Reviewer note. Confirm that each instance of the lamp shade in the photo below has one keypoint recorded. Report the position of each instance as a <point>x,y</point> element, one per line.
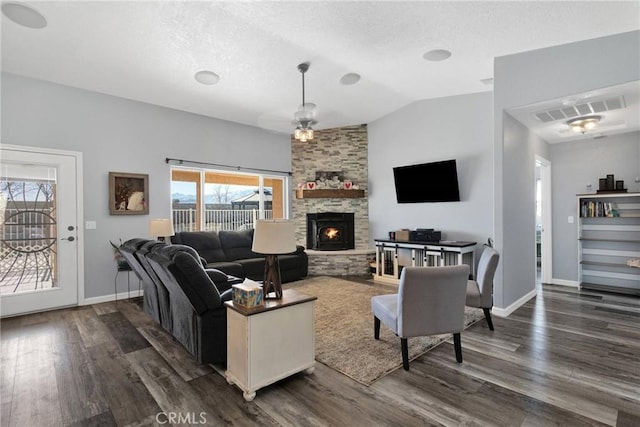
<point>160,228</point>
<point>274,237</point>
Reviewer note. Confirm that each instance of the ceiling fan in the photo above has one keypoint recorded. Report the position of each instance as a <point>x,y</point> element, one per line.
<point>304,118</point>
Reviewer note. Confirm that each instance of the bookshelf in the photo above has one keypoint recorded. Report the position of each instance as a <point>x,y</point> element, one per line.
<point>608,238</point>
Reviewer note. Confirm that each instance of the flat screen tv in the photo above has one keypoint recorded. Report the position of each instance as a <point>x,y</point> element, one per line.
<point>427,182</point>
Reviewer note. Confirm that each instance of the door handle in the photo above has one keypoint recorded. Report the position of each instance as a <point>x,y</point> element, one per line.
<point>70,238</point>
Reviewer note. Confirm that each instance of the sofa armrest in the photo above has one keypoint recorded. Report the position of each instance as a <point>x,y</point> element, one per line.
<point>226,295</point>
<point>217,276</point>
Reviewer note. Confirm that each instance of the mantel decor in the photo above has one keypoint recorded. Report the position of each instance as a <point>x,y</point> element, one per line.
<point>128,193</point>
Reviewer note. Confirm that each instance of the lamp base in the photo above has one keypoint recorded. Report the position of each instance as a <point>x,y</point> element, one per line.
<point>272,285</point>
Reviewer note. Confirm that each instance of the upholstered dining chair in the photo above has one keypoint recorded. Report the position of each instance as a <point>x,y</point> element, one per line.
<point>480,291</point>
<point>430,301</point>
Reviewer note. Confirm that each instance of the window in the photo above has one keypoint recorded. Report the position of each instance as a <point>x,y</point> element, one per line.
<point>218,200</point>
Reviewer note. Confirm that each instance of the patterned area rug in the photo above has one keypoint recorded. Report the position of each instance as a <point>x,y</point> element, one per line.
<point>344,329</point>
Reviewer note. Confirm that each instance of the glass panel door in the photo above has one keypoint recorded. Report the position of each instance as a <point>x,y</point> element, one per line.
<point>38,239</point>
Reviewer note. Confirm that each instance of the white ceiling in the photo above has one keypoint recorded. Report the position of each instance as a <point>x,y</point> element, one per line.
<point>150,51</point>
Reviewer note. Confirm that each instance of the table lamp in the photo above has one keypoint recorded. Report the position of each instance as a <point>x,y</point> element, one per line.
<point>272,238</point>
<point>161,229</point>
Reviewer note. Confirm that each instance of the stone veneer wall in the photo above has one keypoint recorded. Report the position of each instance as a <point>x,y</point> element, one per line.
<point>341,149</point>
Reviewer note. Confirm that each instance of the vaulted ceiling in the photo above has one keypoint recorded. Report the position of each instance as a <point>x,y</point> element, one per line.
<point>149,51</point>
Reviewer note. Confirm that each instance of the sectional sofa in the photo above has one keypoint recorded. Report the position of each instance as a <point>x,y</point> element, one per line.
<point>230,252</point>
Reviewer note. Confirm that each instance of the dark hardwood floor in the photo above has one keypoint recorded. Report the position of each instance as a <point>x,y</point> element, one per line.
<point>567,358</point>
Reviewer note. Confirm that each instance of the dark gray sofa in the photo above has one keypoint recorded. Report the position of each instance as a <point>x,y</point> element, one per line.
<point>230,252</point>
<point>197,311</point>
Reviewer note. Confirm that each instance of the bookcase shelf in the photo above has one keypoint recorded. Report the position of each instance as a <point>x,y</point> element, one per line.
<point>608,236</point>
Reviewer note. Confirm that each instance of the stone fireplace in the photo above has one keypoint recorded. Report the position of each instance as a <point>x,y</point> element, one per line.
<point>339,149</point>
<point>330,231</point>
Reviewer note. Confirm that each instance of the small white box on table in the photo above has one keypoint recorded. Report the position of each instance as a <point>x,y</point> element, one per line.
<point>248,294</point>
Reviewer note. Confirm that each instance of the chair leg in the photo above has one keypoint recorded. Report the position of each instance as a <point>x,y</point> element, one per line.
<point>405,353</point>
<point>487,315</point>
<point>458,347</point>
<point>376,328</point>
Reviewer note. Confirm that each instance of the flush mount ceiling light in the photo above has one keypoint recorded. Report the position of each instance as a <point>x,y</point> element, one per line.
<point>207,77</point>
<point>437,55</point>
<point>24,15</point>
<point>583,124</point>
<point>350,79</point>
<point>303,118</point>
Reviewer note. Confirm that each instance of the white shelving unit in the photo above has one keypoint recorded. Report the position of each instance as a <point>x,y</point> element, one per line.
<point>608,237</point>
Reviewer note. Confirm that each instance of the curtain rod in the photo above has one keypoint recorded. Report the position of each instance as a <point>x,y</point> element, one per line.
<point>238,168</point>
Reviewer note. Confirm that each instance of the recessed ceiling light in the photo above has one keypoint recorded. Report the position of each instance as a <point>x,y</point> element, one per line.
<point>23,15</point>
<point>350,79</point>
<point>207,77</point>
<point>437,55</point>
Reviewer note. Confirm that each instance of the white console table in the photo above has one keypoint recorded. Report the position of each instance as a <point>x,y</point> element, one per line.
<point>271,342</point>
<point>392,255</point>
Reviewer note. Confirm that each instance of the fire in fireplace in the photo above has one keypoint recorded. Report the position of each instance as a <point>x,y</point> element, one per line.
<point>330,231</point>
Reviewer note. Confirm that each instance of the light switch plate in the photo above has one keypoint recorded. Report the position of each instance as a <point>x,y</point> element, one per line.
<point>90,225</point>
<point>570,219</point>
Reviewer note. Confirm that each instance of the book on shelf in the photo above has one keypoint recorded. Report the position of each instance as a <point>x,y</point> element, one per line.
<point>591,209</point>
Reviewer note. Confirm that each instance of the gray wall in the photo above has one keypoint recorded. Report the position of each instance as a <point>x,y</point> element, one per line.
<point>573,165</point>
<point>457,127</point>
<point>531,77</point>
<point>120,135</point>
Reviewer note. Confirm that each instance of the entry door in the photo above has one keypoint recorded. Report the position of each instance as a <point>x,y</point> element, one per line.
<point>39,267</point>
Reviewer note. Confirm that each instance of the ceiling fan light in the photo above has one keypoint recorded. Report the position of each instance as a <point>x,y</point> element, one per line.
<point>310,133</point>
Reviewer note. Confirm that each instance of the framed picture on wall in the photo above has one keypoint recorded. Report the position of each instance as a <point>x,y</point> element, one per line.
<point>128,193</point>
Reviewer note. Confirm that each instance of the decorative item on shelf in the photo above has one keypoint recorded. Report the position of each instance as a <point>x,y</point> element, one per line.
<point>272,238</point>
<point>633,262</point>
<point>347,185</point>
<point>161,229</point>
<point>311,185</point>
<point>610,185</point>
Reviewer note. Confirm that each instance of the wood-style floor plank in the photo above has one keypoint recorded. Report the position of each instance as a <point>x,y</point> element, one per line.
<point>566,357</point>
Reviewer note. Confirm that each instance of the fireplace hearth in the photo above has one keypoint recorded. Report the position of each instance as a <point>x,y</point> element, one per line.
<point>330,231</point>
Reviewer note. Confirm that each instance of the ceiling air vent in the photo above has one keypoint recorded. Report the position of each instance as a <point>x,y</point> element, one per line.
<point>582,109</point>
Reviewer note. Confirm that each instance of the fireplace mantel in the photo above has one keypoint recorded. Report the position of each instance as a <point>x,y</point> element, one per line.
<point>328,194</point>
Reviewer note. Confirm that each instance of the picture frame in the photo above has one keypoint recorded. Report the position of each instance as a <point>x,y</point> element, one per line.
<point>128,193</point>
<point>329,179</point>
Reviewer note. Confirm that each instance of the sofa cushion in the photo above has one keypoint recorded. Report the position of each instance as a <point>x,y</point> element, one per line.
<point>253,268</point>
<point>195,283</point>
<point>230,268</point>
<point>237,244</point>
<point>206,243</point>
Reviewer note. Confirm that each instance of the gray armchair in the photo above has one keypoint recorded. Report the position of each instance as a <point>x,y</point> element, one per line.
<point>430,301</point>
<point>480,291</point>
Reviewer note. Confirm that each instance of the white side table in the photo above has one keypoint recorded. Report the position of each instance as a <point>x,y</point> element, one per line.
<point>266,344</point>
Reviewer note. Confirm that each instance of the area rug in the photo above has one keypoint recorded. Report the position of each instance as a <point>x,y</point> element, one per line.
<point>344,329</point>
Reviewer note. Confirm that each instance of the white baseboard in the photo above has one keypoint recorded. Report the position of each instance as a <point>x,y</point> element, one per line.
<point>112,297</point>
<point>504,312</point>
<point>562,282</point>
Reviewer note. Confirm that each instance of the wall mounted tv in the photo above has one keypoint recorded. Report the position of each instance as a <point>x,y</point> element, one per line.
<point>427,182</point>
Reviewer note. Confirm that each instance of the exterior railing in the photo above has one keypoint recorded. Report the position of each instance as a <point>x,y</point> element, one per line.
<point>216,219</point>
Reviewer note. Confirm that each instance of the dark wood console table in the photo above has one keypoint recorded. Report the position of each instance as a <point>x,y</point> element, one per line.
<point>393,255</point>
